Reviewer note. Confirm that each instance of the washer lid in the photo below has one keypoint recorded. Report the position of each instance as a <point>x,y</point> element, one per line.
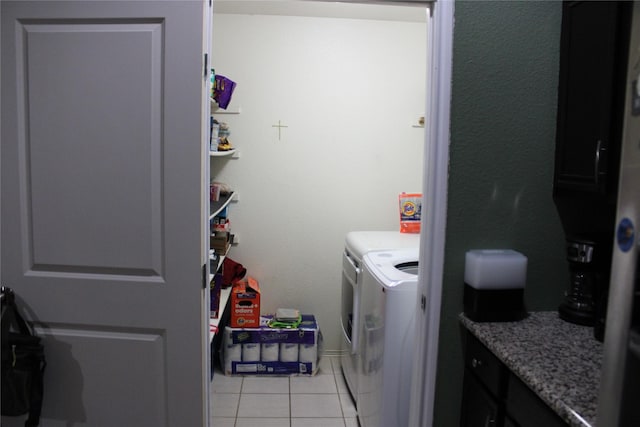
<point>361,242</point>
<point>392,268</point>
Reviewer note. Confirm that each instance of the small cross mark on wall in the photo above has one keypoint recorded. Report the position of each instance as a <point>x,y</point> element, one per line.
<point>279,126</point>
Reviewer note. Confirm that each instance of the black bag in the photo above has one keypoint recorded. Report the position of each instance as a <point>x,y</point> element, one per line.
<point>23,364</point>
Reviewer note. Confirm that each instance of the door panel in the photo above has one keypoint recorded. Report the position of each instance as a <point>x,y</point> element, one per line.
<point>71,352</point>
<point>101,216</point>
<point>85,229</point>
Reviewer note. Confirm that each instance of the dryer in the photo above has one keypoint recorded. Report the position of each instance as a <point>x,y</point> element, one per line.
<point>357,245</point>
<point>388,304</point>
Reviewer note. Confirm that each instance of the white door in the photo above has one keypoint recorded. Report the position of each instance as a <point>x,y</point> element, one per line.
<point>101,207</point>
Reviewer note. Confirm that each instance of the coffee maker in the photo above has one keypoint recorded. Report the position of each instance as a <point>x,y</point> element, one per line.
<point>579,305</point>
<point>586,297</point>
<point>589,242</point>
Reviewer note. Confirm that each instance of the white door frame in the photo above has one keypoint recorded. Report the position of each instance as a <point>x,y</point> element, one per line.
<point>435,187</point>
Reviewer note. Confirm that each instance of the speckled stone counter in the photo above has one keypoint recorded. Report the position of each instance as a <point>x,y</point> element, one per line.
<point>558,360</point>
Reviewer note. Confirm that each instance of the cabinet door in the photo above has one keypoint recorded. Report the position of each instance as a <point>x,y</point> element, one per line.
<point>479,409</point>
<point>486,366</point>
<point>588,102</point>
<point>526,409</point>
<point>508,422</point>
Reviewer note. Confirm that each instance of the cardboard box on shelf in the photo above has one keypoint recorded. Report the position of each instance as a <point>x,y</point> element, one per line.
<point>219,242</point>
<point>281,351</point>
<point>245,304</point>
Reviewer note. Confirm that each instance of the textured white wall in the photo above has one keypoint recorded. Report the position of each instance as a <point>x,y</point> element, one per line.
<point>349,92</point>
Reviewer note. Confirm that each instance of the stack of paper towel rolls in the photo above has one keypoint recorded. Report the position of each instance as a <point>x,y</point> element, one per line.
<point>232,352</point>
<point>267,352</point>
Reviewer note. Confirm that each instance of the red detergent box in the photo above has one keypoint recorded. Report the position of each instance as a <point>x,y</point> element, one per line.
<point>245,304</point>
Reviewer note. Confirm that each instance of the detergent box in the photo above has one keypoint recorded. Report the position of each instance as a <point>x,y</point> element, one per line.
<point>245,304</point>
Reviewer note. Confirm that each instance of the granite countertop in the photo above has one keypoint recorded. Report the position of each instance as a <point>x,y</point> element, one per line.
<point>558,360</point>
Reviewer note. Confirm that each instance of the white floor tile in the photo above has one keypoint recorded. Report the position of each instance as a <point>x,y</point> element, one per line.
<point>315,406</point>
<point>317,422</point>
<point>263,422</point>
<point>319,401</point>
<point>348,407</point>
<point>264,405</point>
<point>224,384</point>
<point>266,385</point>
<point>315,384</point>
<point>224,405</point>
<point>223,422</point>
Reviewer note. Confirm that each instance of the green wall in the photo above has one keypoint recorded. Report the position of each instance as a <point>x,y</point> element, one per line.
<point>505,75</point>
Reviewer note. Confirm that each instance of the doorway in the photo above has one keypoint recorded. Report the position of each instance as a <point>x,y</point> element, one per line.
<point>326,118</point>
<point>318,286</point>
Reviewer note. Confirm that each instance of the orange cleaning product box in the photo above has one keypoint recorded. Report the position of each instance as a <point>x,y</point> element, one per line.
<point>245,304</point>
<point>410,212</point>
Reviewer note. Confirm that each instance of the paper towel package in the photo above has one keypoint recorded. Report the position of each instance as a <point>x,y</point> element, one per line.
<point>269,351</point>
<point>494,281</point>
<point>231,350</point>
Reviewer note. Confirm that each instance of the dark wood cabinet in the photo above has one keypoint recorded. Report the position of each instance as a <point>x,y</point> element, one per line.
<point>483,388</point>
<point>493,396</point>
<point>591,92</point>
<point>508,422</point>
<point>526,409</point>
<point>591,96</point>
<point>480,408</point>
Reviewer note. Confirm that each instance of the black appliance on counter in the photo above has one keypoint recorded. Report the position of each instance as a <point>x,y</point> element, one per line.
<point>579,305</point>
<point>593,59</point>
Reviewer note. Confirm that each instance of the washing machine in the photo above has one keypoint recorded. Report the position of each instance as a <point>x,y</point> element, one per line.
<point>388,304</point>
<point>357,245</point>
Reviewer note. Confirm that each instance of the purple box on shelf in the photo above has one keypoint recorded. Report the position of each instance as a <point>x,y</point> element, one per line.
<point>215,288</point>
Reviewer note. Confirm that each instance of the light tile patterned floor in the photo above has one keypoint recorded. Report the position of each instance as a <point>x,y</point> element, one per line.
<point>319,401</point>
